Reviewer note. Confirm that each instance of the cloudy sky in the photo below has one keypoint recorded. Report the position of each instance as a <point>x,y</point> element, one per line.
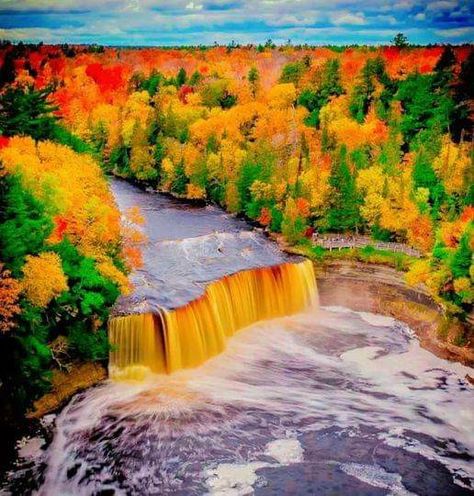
<point>173,22</point>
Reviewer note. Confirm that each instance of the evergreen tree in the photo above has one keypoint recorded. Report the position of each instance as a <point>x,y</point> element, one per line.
<point>424,105</point>
<point>462,258</point>
<point>26,111</point>
<point>253,78</point>
<point>329,85</point>
<point>343,214</point>
<point>363,95</point>
<point>400,41</point>
<point>195,78</point>
<point>180,180</point>
<point>181,78</point>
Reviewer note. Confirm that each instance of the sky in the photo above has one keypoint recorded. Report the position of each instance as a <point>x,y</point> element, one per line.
<point>193,22</point>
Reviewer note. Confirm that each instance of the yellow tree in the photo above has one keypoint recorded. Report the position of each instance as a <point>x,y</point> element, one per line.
<point>43,278</point>
<point>10,290</point>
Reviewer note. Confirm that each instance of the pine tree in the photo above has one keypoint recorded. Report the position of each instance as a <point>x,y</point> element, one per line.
<point>253,78</point>
<point>343,214</point>
<point>27,112</point>
<point>181,78</point>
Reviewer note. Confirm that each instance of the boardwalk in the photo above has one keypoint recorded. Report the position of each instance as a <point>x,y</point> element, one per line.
<point>339,241</point>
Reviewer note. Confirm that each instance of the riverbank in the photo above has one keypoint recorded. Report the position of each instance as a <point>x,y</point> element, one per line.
<point>360,286</point>
<point>64,385</point>
<point>381,289</point>
<point>372,280</point>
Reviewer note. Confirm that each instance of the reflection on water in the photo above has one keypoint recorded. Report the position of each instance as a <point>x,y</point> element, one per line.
<point>328,402</point>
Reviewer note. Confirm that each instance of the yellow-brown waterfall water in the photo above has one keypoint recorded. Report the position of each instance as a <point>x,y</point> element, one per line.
<point>343,401</point>
<point>189,335</point>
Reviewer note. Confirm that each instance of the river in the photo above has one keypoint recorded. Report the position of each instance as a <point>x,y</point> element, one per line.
<point>328,401</point>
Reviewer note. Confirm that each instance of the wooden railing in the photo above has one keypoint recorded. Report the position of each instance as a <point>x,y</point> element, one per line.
<point>339,241</point>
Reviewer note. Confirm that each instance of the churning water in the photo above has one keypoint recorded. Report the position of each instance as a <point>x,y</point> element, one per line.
<point>326,402</point>
<point>323,402</point>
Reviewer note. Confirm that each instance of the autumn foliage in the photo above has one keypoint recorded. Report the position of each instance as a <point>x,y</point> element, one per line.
<point>361,140</point>
<point>295,138</point>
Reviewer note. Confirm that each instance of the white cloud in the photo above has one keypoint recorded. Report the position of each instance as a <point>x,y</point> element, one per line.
<point>349,18</point>
<point>442,5</point>
<point>194,6</point>
<point>402,5</point>
<point>385,19</point>
<point>290,20</point>
<point>455,32</point>
<point>421,16</point>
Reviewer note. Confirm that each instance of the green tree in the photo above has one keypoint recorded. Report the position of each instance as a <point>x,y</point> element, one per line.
<point>24,224</point>
<point>181,78</point>
<point>462,258</point>
<point>180,180</point>
<point>363,94</point>
<point>424,176</point>
<point>400,41</point>
<point>424,105</point>
<point>195,78</point>
<point>253,78</point>
<point>328,86</point>
<point>249,173</point>
<point>89,298</point>
<point>26,111</point>
<point>292,72</point>
<point>343,213</point>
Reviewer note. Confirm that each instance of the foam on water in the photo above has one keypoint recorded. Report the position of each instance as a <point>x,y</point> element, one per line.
<point>377,477</point>
<point>254,408</point>
<point>229,479</point>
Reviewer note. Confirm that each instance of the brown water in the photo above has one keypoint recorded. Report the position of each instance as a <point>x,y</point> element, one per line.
<point>327,401</point>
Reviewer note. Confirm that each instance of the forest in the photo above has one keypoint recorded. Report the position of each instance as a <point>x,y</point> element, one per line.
<point>366,140</point>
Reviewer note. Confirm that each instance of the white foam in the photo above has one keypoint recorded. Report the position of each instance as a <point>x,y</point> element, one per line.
<point>30,448</point>
<point>336,309</point>
<point>377,319</point>
<point>376,476</point>
<point>285,451</point>
<point>229,479</point>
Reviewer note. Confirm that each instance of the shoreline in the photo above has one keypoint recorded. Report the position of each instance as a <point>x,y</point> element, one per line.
<point>381,289</point>
<point>360,286</point>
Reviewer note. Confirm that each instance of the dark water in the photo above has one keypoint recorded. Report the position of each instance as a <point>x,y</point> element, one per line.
<point>327,402</point>
<point>187,246</point>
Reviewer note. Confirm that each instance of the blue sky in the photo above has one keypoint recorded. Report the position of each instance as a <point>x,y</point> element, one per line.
<point>168,22</point>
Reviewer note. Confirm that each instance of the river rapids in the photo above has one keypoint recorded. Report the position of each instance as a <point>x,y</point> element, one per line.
<point>327,402</point>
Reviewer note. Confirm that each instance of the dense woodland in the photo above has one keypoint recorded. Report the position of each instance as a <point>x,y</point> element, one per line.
<point>356,140</point>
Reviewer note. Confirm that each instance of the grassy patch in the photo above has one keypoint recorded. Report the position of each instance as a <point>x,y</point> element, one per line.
<point>368,254</point>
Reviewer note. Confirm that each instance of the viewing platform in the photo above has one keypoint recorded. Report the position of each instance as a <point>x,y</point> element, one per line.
<point>339,241</point>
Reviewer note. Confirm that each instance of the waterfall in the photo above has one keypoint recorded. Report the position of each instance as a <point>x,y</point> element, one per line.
<point>189,335</point>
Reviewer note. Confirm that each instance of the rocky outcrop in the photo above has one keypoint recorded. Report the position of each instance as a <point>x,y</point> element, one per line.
<point>381,289</point>
<point>65,384</point>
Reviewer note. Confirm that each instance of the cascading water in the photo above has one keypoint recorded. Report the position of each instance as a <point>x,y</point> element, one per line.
<point>189,335</point>
<point>323,401</point>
